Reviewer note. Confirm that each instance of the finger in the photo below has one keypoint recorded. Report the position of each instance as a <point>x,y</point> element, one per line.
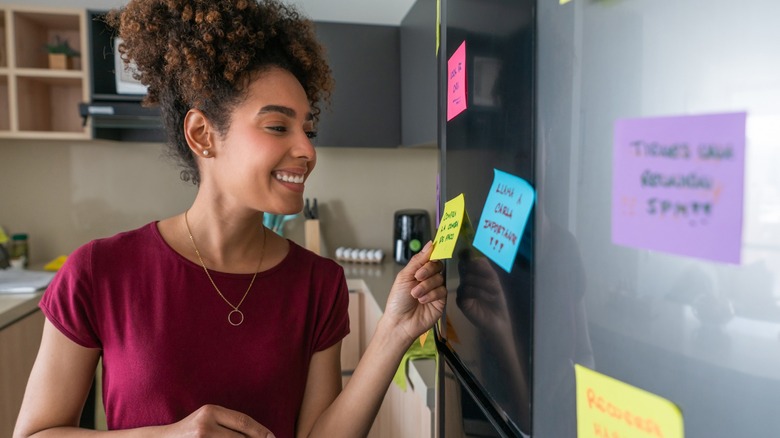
<point>239,422</point>
<point>429,269</point>
<point>426,286</point>
<point>420,259</point>
<point>435,294</point>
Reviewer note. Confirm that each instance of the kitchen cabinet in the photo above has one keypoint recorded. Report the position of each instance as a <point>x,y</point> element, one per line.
<point>403,413</point>
<point>19,342</point>
<point>37,101</point>
<point>350,345</point>
<point>365,105</point>
<point>114,115</point>
<point>418,75</point>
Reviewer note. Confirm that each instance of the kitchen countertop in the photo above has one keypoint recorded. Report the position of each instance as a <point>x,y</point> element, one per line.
<point>14,307</point>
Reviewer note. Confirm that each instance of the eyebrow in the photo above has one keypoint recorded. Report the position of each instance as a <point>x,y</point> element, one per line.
<point>287,111</point>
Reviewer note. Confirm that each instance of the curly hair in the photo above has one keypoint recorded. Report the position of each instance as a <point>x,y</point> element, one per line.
<point>202,54</point>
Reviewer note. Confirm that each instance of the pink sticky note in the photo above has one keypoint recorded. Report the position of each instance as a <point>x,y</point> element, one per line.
<point>456,82</point>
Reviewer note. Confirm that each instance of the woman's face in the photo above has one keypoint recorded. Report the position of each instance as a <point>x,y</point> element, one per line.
<point>264,159</point>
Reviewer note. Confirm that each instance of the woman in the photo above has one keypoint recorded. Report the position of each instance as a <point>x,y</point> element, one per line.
<point>208,324</point>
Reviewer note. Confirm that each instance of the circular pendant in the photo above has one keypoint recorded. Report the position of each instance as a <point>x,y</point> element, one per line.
<point>240,317</point>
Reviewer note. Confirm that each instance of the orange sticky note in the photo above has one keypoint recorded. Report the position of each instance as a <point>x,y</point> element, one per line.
<point>423,337</point>
<point>449,228</point>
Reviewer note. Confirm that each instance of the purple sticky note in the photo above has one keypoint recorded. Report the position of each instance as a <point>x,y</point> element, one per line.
<point>456,82</point>
<point>677,185</point>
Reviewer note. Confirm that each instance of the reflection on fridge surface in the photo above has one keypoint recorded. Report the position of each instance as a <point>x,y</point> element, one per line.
<point>700,332</point>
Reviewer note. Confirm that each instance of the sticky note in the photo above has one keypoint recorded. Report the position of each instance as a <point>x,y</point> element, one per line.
<point>678,185</point>
<point>504,217</point>
<point>607,407</point>
<point>449,228</point>
<point>456,82</point>
<point>563,2</point>
<point>438,26</point>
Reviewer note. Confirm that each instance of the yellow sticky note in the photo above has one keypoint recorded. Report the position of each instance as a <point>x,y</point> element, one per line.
<point>438,25</point>
<point>607,407</point>
<point>55,264</point>
<point>449,228</point>
<point>563,2</point>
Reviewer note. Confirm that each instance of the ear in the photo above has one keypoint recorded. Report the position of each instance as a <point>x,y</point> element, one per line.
<point>199,133</point>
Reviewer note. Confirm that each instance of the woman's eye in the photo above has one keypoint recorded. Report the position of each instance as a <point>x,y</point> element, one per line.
<point>278,128</point>
<point>311,134</point>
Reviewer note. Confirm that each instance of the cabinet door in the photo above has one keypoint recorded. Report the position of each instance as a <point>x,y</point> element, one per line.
<point>350,346</point>
<point>365,105</point>
<point>19,344</point>
<point>418,75</point>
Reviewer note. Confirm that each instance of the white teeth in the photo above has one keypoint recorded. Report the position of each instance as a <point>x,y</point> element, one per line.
<point>290,178</point>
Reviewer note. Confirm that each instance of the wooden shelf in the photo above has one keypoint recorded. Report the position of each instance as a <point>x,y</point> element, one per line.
<point>37,102</point>
<point>33,30</point>
<point>5,118</point>
<point>3,41</point>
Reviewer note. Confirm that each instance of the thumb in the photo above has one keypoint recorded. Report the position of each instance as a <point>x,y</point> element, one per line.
<point>419,260</point>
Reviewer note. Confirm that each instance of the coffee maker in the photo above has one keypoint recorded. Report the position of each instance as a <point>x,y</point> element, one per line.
<point>412,230</point>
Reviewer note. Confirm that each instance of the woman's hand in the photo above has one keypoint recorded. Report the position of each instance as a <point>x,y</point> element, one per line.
<point>418,296</point>
<point>216,421</point>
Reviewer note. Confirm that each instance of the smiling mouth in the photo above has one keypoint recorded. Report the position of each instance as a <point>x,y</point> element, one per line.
<point>289,178</point>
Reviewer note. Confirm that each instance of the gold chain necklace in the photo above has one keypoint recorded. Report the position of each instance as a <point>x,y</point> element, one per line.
<point>235,308</point>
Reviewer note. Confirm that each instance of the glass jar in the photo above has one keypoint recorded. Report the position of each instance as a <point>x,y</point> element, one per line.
<point>19,253</point>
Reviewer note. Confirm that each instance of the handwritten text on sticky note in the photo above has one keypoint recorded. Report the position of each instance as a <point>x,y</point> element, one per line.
<point>456,82</point>
<point>449,228</point>
<point>504,217</point>
<point>607,407</point>
<point>677,185</point>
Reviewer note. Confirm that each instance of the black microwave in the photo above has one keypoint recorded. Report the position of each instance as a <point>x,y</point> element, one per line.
<point>115,109</point>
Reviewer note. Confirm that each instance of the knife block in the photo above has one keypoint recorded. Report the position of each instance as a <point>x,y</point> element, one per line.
<point>312,237</point>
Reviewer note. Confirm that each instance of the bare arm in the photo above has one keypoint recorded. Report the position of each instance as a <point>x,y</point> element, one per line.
<point>415,303</point>
<point>58,385</point>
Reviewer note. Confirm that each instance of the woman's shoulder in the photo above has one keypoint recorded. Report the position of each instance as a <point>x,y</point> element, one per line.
<point>301,256</point>
<point>144,236</point>
<point>128,242</point>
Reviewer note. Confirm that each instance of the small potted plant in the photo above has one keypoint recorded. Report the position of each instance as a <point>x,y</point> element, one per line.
<point>61,54</point>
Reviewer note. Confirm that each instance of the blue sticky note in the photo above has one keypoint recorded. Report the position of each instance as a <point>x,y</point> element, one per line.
<point>504,217</point>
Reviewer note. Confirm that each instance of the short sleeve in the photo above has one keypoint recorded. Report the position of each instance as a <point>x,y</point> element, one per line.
<point>68,303</point>
<point>335,311</point>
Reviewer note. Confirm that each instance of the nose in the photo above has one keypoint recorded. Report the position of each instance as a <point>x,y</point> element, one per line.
<point>304,147</point>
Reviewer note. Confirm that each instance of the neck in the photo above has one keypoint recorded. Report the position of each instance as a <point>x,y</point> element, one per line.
<point>227,243</point>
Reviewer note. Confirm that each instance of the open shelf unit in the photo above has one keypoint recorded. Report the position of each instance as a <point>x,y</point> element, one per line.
<point>37,101</point>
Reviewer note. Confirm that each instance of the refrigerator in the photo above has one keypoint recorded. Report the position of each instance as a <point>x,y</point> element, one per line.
<point>649,135</point>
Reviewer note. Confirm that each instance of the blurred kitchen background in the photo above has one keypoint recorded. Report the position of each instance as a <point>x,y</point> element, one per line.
<point>63,193</point>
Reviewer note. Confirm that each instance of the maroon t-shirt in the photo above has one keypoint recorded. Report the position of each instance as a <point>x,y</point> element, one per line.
<point>166,342</point>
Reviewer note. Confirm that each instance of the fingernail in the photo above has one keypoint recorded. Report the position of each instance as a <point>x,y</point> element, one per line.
<point>420,275</point>
<point>427,245</point>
